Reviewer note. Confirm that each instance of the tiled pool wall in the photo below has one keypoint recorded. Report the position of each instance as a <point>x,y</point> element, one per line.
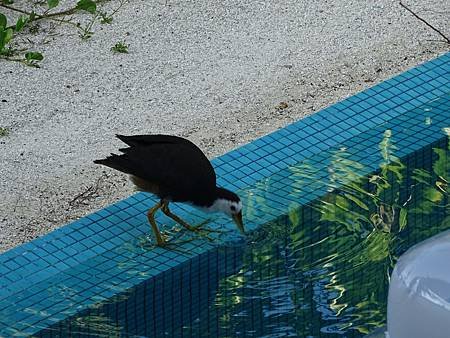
<point>169,303</point>
<point>86,266</point>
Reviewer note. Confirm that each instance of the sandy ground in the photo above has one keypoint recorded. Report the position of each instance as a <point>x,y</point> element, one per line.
<point>213,71</point>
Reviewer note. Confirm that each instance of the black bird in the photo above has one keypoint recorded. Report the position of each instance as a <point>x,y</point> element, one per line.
<point>175,170</point>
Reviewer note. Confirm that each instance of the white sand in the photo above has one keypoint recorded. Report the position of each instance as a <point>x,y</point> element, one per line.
<point>212,71</point>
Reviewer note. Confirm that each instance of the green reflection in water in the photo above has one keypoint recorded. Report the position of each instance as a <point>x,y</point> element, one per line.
<point>328,275</point>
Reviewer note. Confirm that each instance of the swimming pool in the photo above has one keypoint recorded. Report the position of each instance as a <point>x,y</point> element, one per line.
<point>332,201</point>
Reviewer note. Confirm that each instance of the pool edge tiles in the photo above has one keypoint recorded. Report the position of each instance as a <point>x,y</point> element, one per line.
<point>345,119</point>
<point>84,242</point>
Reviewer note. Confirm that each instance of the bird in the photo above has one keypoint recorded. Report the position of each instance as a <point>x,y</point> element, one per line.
<point>175,170</point>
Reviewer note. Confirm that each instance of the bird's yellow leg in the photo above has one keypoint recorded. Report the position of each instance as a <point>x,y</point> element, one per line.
<point>151,219</point>
<point>165,209</point>
<point>198,228</point>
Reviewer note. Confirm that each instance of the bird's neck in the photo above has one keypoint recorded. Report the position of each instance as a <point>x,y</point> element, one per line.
<point>219,205</point>
<point>222,192</point>
<point>217,201</point>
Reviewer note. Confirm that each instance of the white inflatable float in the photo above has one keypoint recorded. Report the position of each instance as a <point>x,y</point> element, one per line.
<point>419,292</point>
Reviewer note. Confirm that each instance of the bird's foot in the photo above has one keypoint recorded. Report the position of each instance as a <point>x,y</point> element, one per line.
<point>162,241</point>
<point>175,239</point>
<point>175,234</point>
<point>200,228</point>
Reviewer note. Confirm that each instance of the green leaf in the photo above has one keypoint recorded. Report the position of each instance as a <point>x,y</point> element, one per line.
<point>342,203</point>
<point>421,175</point>
<point>2,41</point>
<point>424,207</point>
<point>107,20</point>
<point>403,218</point>
<point>4,131</point>
<point>357,201</point>
<point>32,16</point>
<point>8,36</point>
<point>52,3</point>
<point>34,56</point>
<point>336,212</point>
<point>446,222</point>
<point>353,186</point>
<point>3,21</point>
<point>376,246</point>
<point>21,22</point>
<point>433,195</point>
<point>442,166</point>
<point>87,5</point>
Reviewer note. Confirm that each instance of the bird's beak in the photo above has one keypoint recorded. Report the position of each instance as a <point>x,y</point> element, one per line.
<point>237,218</point>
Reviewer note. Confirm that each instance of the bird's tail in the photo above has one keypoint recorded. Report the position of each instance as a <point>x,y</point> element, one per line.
<point>118,162</point>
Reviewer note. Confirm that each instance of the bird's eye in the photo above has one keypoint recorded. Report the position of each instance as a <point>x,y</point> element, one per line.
<point>233,208</point>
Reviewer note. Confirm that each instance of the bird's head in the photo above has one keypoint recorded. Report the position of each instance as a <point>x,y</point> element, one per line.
<point>230,204</point>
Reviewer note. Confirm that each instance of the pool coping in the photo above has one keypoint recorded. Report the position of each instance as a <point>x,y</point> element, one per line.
<point>74,249</point>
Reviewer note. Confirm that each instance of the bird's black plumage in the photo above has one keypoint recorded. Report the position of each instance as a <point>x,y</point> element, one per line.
<point>175,170</point>
<point>171,167</point>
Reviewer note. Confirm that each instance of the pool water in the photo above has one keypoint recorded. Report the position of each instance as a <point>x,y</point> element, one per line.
<point>324,270</point>
<point>320,270</point>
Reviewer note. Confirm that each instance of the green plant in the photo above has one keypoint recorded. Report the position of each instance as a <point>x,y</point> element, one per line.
<point>6,35</point>
<point>120,47</point>
<point>105,18</point>
<point>29,20</point>
<point>4,131</point>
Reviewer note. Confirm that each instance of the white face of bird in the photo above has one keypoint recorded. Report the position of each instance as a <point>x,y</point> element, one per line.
<point>230,208</point>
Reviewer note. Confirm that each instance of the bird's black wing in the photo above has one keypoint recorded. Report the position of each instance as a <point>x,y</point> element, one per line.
<point>143,140</point>
<point>176,164</point>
